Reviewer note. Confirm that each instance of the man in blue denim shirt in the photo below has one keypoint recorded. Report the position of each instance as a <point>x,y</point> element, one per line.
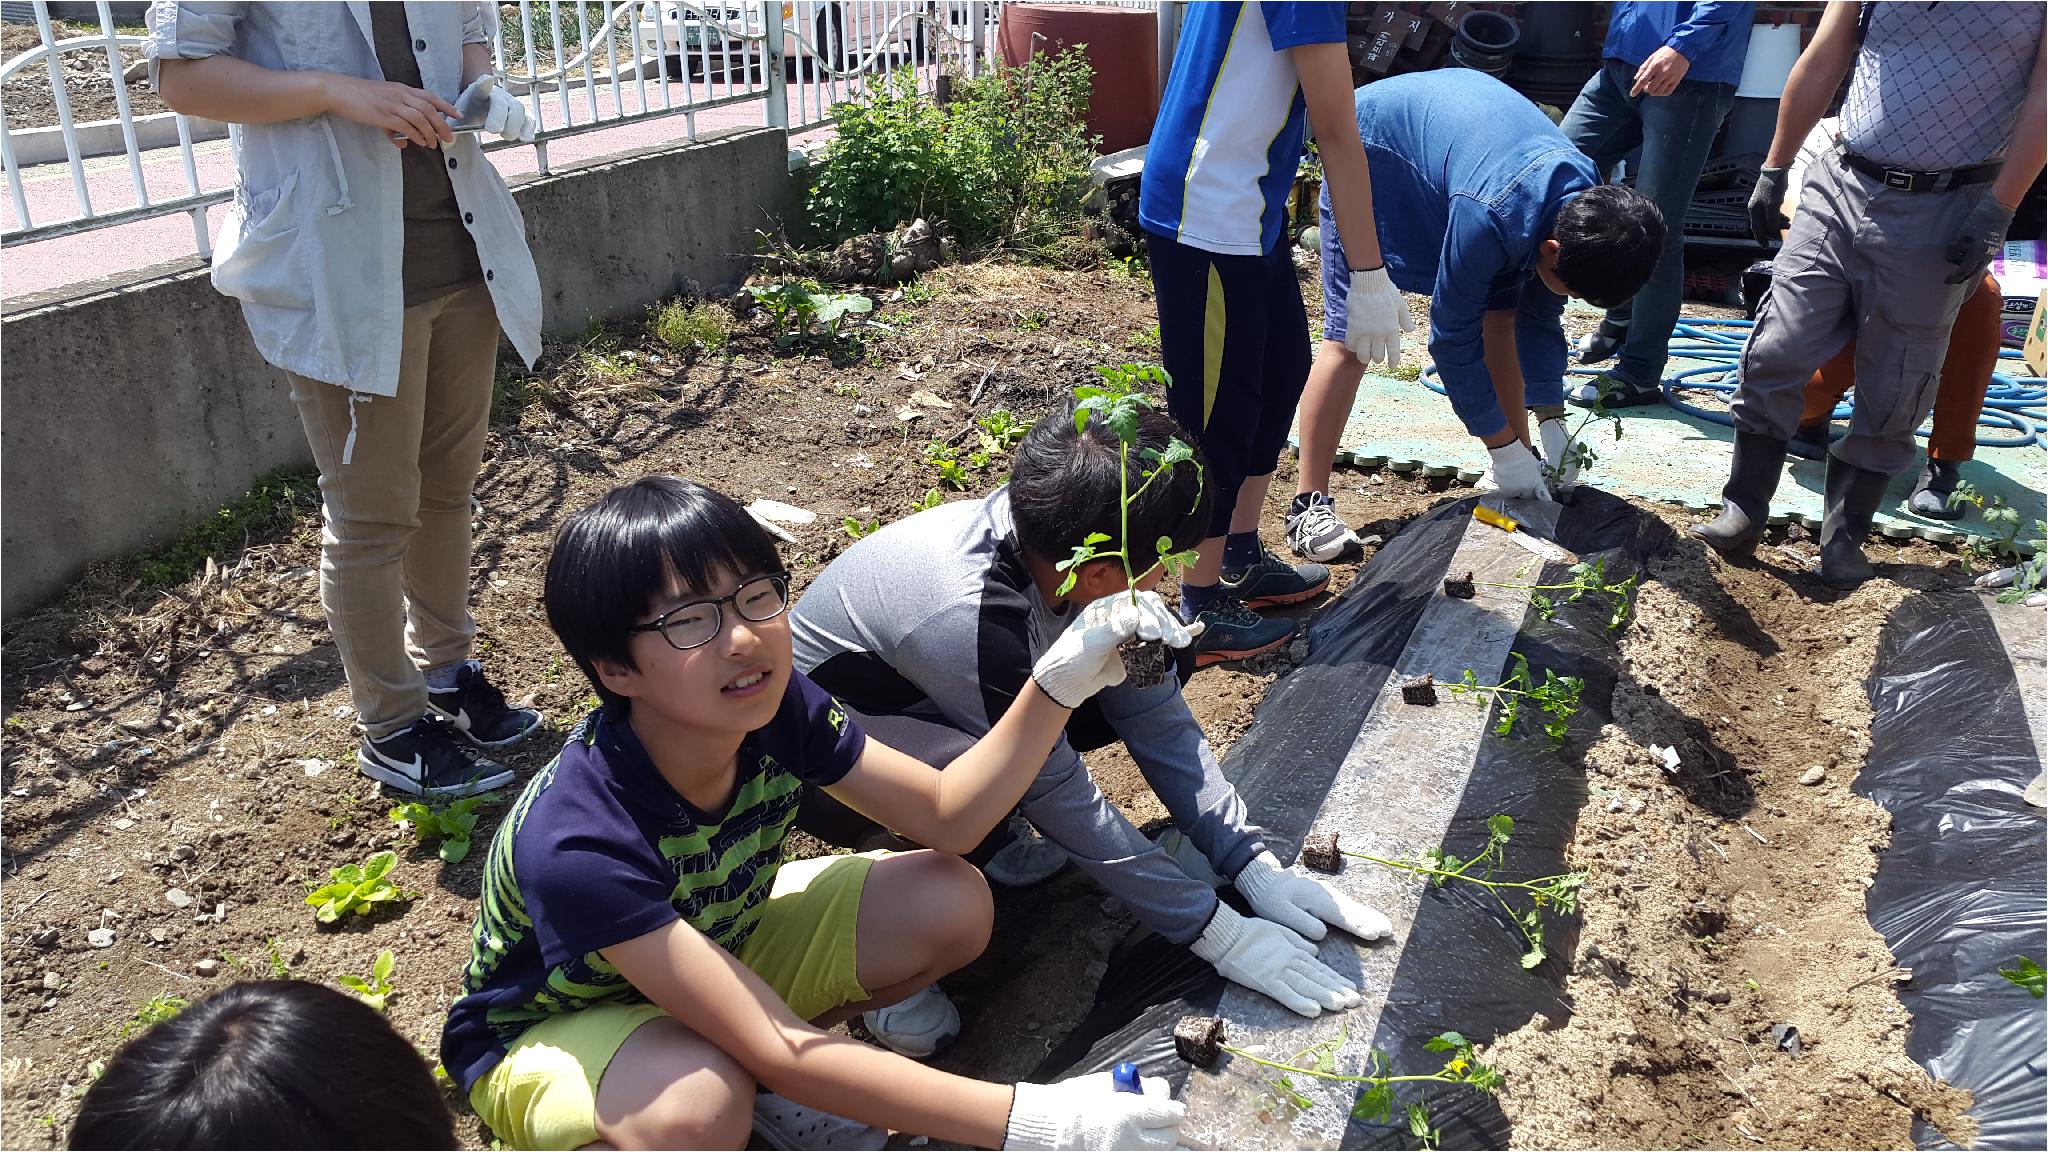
<point>1483,204</point>
<point>1666,84</point>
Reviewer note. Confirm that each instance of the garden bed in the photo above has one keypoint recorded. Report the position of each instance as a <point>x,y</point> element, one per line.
<point>179,755</point>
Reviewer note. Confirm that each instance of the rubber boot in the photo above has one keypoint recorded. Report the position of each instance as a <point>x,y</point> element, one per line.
<point>1852,497</point>
<point>1930,496</point>
<point>1810,442</point>
<point>1746,498</point>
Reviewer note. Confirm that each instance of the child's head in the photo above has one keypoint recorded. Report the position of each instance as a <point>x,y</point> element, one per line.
<point>1064,485</point>
<point>268,1064</point>
<point>1605,244</point>
<point>660,551</point>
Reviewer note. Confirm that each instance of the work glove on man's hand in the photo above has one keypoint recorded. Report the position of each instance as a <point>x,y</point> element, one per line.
<point>1517,473</point>
<point>1087,1112</point>
<point>1305,904</point>
<point>1767,220</point>
<point>505,116</point>
<point>1977,242</point>
<point>1560,455</point>
<point>1084,660</point>
<point>1266,957</point>
<point>1374,318</point>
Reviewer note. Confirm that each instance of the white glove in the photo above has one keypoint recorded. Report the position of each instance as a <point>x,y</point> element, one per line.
<point>506,116</point>
<point>1268,958</point>
<point>1517,473</point>
<point>1563,464</point>
<point>1084,660</point>
<point>1304,903</point>
<point>1374,318</point>
<point>1088,1112</point>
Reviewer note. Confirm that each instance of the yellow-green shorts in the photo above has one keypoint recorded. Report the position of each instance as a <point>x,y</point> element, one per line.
<point>543,1094</point>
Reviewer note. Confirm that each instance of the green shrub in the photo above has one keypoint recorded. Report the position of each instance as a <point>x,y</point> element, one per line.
<point>1004,165</point>
<point>683,326</point>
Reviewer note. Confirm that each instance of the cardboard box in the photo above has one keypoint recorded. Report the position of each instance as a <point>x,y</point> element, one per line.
<point>2022,274</point>
<point>2036,350</point>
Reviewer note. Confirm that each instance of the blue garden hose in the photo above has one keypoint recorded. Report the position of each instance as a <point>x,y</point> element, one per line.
<point>2015,406</point>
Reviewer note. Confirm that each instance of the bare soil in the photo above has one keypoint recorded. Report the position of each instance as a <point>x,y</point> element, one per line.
<point>88,83</point>
<point>1728,897</point>
<point>199,738</point>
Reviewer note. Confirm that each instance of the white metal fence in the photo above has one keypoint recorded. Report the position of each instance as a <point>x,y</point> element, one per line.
<point>579,66</point>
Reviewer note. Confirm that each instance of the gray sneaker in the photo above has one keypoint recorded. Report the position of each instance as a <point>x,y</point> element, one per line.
<point>1027,859</point>
<point>1315,532</point>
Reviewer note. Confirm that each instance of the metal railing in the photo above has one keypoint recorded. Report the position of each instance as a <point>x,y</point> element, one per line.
<point>594,67</point>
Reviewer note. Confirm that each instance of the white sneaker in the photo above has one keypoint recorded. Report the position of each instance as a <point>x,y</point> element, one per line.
<point>917,1026</point>
<point>1316,533</point>
<point>1027,859</point>
<point>785,1124</point>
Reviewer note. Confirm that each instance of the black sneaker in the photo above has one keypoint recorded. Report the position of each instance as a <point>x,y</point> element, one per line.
<point>1273,581</point>
<point>478,710</point>
<point>1231,631</point>
<point>427,760</point>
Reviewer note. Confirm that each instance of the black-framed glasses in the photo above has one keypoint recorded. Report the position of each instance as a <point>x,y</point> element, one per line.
<point>699,622</point>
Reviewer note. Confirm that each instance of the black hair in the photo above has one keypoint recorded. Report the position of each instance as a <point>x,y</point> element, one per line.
<point>1609,239</point>
<point>267,1064</point>
<point>615,557</point>
<point>1064,486</point>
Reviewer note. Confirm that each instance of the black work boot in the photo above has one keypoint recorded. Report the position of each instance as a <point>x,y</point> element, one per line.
<point>1746,498</point>
<point>1810,442</point>
<point>1852,497</point>
<point>1930,495</point>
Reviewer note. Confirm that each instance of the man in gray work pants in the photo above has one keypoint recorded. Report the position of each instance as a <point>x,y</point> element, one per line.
<point>1942,133</point>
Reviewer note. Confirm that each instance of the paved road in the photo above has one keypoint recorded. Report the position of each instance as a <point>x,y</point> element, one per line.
<point>125,247</point>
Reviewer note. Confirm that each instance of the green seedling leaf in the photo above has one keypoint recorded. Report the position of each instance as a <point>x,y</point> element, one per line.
<point>2026,974</point>
<point>357,889</point>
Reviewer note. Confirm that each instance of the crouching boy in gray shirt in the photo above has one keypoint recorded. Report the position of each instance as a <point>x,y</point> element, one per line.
<point>928,628</point>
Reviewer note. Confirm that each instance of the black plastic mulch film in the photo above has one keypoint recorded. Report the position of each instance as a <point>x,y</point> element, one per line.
<point>1961,891</point>
<point>1937,902</point>
<point>1462,967</point>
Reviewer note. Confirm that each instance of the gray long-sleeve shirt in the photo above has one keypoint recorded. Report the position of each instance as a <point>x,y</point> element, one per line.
<point>937,616</point>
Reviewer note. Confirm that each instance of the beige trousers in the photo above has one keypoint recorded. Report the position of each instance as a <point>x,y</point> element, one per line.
<point>395,542</point>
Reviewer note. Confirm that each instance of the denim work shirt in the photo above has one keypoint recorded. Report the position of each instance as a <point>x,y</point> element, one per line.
<point>1467,180</point>
<point>314,242</point>
<point>1713,37</point>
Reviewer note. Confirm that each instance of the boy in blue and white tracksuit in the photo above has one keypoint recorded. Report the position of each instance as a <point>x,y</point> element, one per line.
<point>1247,79</point>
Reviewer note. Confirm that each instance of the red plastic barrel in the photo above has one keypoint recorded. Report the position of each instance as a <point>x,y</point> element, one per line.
<point>1121,44</point>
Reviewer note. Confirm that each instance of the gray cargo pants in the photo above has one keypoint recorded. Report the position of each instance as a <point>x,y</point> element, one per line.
<point>1861,261</point>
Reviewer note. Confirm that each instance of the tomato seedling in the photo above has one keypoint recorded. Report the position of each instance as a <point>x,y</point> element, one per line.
<point>1378,1101</point>
<point>450,824</point>
<point>1583,578</point>
<point>1557,697</point>
<point>1559,893</point>
<point>1117,405</point>
<point>358,888</point>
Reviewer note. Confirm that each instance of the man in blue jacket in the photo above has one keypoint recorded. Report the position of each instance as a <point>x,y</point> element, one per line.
<point>1666,85</point>
<point>1483,204</point>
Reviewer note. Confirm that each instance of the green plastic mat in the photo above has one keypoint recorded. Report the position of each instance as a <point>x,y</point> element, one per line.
<point>1663,455</point>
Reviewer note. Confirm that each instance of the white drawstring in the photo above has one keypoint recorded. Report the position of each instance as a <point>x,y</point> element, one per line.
<point>348,446</point>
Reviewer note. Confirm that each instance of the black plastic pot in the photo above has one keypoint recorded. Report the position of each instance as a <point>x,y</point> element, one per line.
<point>1486,42</point>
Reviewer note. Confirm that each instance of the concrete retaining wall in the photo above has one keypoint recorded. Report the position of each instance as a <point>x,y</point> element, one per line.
<point>135,404</point>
